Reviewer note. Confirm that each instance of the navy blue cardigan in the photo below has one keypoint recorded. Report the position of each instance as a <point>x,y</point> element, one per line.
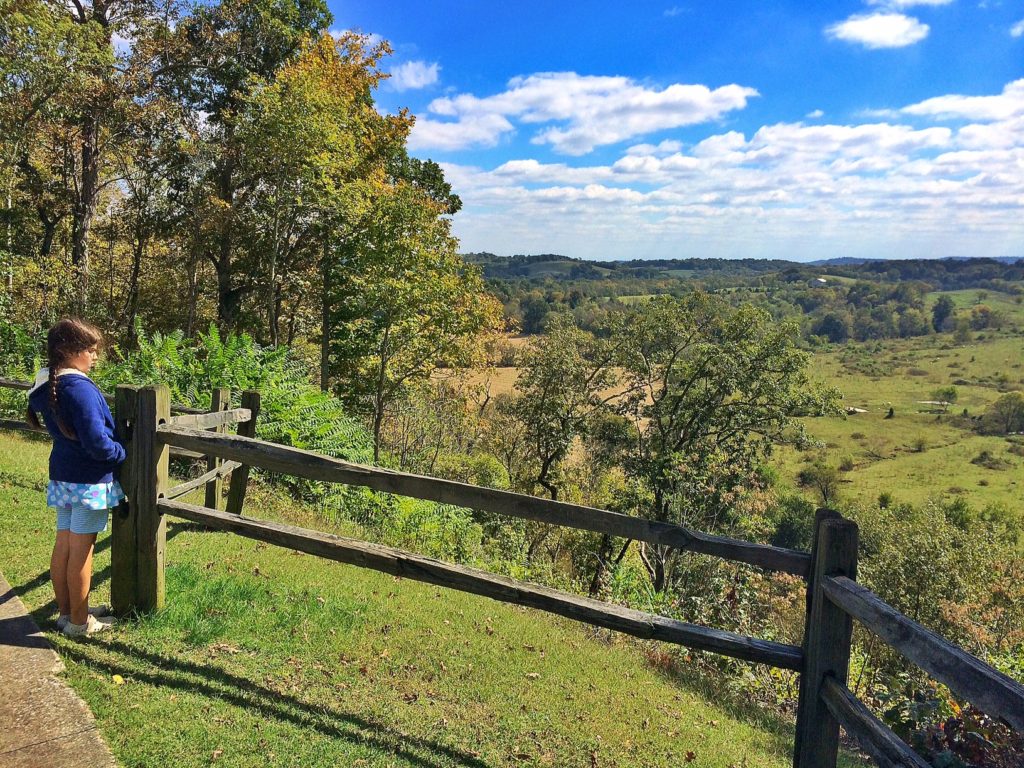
<point>96,454</point>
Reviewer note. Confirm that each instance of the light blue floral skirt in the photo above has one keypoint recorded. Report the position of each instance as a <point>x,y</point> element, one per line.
<point>83,507</point>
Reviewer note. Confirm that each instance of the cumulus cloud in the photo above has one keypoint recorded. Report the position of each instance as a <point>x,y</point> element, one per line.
<point>815,114</point>
<point>1008,104</point>
<point>413,75</point>
<point>907,3</point>
<point>879,30</point>
<point>484,130</point>
<point>1017,29</point>
<point>789,190</point>
<point>585,111</point>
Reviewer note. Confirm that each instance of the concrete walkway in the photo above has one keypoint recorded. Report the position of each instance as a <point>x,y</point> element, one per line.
<point>43,723</point>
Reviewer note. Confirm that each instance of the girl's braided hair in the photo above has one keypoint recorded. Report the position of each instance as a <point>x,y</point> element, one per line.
<point>64,340</point>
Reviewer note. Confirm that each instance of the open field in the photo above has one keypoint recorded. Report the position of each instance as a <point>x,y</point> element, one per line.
<point>263,657</point>
<point>918,454</point>
<point>886,453</point>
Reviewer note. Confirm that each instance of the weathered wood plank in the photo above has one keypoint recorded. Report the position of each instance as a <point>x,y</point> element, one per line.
<point>995,693</point>
<point>419,568</point>
<point>182,453</point>
<point>209,420</point>
<point>884,746</point>
<point>22,426</point>
<point>15,384</point>
<point>288,460</point>
<point>150,471</point>
<point>220,402</point>
<point>222,471</point>
<point>240,479</point>
<point>827,638</point>
<point>123,545</point>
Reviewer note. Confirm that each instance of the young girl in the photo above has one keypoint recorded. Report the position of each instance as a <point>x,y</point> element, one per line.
<point>85,456</point>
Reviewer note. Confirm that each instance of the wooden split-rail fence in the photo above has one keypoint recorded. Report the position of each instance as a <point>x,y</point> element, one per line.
<point>153,430</point>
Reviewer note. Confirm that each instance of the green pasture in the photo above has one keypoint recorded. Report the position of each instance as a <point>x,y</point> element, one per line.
<point>972,297</point>
<point>920,453</point>
<point>263,656</point>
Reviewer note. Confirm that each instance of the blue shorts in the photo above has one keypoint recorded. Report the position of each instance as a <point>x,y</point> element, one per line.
<point>79,519</point>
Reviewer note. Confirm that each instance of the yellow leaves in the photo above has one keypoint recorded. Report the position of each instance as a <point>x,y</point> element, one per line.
<point>118,680</point>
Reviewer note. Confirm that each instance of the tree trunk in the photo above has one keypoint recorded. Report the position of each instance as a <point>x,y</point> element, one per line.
<point>131,309</point>
<point>49,231</point>
<point>325,319</point>
<point>84,208</point>
<point>604,550</point>
<point>227,297</point>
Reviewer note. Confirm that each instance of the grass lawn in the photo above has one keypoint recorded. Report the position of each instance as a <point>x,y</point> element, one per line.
<point>887,453</point>
<point>267,657</point>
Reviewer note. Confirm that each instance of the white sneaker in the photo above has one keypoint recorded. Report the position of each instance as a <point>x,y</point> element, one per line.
<point>91,627</point>
<point>99,611</point>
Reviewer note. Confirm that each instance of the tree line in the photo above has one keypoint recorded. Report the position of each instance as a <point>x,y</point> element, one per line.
<point>169,164</point>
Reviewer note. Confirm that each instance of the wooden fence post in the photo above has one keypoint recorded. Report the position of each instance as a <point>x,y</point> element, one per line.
<point>123,576</point>
<point>240,477</point>
<point>220,400</point>
<point>827,637</point>
<point>149,466</point>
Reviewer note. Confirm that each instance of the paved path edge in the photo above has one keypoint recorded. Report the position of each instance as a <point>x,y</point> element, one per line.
<point>43,722</point>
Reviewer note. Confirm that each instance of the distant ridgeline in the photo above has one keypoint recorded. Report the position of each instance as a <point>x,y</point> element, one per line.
<point>943,274</point>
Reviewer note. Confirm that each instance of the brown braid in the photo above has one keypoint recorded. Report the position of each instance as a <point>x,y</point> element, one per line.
<point>64,340</point>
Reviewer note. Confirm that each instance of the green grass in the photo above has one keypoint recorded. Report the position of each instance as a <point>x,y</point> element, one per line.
<point>264,656</point>
<point>899,374</point>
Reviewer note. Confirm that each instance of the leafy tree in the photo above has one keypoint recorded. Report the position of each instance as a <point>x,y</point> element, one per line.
<point>834,326</point>
<point>942,311</point>
<point>219,53</point>
<point>710,390</point>
<point>562,377</point>
<point>306,138</point>
<point>402,304</point>
<point>1005,415</point>
<point>946,395</point>
<point>822,478</point>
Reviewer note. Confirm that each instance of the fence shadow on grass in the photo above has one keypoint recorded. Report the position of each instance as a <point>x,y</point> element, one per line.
<point>132,662</point>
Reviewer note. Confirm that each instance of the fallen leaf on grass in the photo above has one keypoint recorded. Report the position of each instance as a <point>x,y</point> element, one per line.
<point>690,756</point>
<point>118,680</point>
<point>532,675</point>
<point>216,754</point>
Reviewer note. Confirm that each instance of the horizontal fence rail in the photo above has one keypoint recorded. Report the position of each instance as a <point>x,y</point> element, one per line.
<point>210,420</point>
<point>884,746</point>
<point>27,385</point>
<point>419,568</point>
<point>314,466</point>
<point>214,474</point>
<point>996,694</point>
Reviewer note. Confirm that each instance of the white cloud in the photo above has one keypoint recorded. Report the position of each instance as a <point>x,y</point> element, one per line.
<point>666,147</point>
<point>413,75</point>
<point>472,131</point>
<point>815,114</point>
<point>1017,29</point>
<point>879,30</point>
<point>788,190</point>
<point>1008,104</point>
<point>675,10</point>
<point>589,111</point>
<point>907,3</point>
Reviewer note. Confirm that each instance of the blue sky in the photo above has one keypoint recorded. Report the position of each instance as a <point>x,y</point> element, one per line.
<point>610,130</point>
